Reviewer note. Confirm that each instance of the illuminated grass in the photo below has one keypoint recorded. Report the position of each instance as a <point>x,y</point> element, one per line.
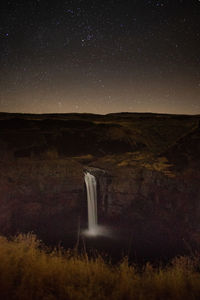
<point>28,270</point>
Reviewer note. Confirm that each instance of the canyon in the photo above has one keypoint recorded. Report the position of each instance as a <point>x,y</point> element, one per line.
<point>147,168</point>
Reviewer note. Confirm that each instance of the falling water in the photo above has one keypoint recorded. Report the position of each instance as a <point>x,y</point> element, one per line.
<point>91,186</point>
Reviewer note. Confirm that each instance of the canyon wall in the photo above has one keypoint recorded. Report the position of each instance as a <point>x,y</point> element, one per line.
<point>147,170</point>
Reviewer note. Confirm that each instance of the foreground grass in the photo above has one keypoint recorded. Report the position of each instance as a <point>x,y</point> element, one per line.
<point>29,271</point>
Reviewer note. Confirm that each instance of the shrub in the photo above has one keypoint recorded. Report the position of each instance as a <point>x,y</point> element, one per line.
<point>29,270</point>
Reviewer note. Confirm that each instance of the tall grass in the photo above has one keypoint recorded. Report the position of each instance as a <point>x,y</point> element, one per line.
<point>30,271</point>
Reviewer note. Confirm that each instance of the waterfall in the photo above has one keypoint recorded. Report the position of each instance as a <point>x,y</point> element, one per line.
<point>91,186</point>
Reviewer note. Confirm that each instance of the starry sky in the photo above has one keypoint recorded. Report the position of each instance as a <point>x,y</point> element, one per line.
<point>100,56</point>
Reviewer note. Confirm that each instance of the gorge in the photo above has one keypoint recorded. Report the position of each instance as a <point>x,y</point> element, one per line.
<point>146,168</point>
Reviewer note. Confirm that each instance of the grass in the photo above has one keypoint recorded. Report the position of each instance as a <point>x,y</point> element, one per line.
<point>30,271</point>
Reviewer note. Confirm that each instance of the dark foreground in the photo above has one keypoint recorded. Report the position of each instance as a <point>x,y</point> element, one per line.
<point>28,270</point>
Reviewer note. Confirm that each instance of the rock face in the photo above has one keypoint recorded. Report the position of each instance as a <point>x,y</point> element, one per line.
<point>161,210</point>
<point>146,166</point>
<point>40,196</point>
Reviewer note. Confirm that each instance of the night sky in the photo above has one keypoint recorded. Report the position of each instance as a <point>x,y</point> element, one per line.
<point>100,56</point>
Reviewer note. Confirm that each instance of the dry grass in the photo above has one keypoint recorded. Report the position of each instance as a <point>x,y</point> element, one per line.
<point>29,271</point>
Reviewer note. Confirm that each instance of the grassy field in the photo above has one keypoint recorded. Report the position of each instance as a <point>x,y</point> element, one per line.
<point>29,270</point>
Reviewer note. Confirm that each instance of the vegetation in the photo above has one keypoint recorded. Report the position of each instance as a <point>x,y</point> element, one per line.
<point>29,270</point>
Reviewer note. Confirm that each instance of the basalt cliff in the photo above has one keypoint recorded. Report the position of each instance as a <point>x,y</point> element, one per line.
<point>147,168</point>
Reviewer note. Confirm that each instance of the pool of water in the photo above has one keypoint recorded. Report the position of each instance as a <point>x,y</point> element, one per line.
<point>114,245</point>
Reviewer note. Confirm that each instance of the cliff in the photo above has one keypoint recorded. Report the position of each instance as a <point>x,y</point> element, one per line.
<point>146,165</point>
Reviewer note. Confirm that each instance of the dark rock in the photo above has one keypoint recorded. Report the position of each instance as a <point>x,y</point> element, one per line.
<point>147,169</point>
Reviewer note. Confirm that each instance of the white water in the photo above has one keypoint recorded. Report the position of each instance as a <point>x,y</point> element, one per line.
<point>91,186</point>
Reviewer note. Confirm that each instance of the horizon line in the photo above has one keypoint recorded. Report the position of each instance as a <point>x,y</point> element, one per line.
<point>99,114</point>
